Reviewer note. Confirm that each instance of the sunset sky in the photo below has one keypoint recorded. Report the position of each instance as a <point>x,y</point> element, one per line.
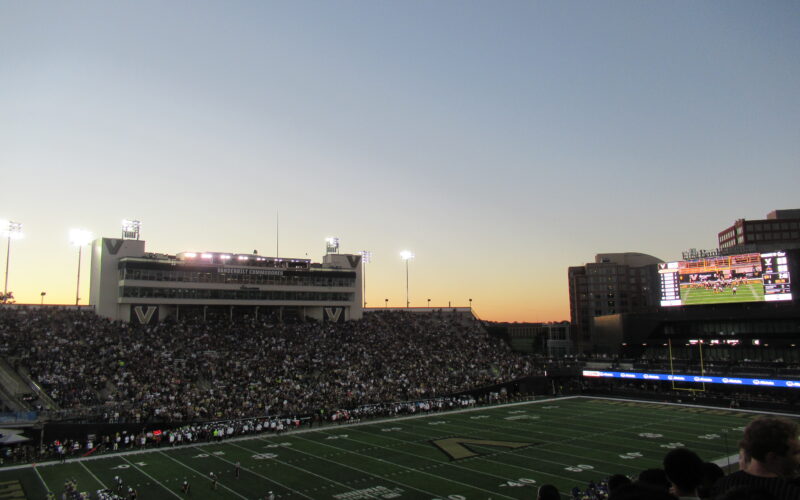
<point>501,142</point>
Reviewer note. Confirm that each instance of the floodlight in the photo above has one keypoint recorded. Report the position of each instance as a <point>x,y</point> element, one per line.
<point>366,257</point>
<point>207,256</point>
<point>190,255</point>
<point>225,257</point>
<point>332,245</point>
<point>130,229</point>
<point>407,255</point>
<point>244,257</point>
<point>80,237</point>
<point>13,231</point>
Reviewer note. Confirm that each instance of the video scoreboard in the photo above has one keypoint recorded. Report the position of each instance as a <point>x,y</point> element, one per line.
<point>753,277</point>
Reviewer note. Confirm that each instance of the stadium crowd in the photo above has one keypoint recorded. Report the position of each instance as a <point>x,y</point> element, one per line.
<point>200,371</point>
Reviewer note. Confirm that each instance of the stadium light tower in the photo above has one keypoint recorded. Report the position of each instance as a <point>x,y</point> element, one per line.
<point>366,258</point>
<point>130,229</point>
<point>331,245</point>
<point>80,238</point>
<point>407,255</point>
<point>13,230</point>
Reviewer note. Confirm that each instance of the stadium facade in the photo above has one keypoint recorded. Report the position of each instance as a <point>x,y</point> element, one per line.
<point>779,231</point>
<point>131,284</point>
<point>614,283</point>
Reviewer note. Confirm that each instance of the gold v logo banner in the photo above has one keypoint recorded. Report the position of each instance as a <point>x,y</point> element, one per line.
<point>458,447</point>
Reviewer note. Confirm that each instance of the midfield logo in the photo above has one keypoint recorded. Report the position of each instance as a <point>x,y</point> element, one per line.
<point>458,448</point>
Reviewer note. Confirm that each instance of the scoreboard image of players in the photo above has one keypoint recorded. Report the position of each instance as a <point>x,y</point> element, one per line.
<point>751,277</point>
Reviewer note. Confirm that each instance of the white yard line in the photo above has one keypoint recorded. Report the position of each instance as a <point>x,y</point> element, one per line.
<point>92,474</point>
<point>411,468</point>
<point>381,478</point>
<point>254,472</point>
<point>306,471</point>
<point>504,434</point>
<point>41,479</point>
<point>201,475</point>
<point>151,477</point>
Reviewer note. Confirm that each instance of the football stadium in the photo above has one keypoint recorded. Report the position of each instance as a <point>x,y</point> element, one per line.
<point>222,375</point>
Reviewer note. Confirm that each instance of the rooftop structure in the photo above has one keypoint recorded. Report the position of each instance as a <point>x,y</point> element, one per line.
<point>779,231</point>
<point>130,284</point>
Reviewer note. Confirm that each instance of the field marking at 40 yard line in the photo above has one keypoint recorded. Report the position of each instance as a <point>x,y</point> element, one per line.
<point>411,469</point>
<point>340,464</point>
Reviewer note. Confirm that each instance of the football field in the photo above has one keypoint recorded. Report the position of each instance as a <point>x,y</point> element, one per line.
<point>751,292</point>
<point>498,452</point>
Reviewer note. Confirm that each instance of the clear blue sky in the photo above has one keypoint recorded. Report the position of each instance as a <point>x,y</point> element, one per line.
<point>500,141</point>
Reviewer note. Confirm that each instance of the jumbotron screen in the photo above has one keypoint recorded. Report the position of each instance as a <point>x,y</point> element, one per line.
<point>751,277</point>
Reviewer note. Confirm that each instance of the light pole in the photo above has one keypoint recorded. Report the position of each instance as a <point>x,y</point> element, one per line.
<point>130,229</point>
<point>366,258</point>
<point>429,303</point>
<point>470,304</point>
<point>407,255</point>
<point>386,302</point>
<point>13,230</point>
<point>79,238</point>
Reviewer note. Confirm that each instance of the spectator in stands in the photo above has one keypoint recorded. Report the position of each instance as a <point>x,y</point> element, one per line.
<point>194,371</point>
<point>711,474</point>
<point>773,449</point>
<point>548,492</point>
<point>616,481</point>
<point>655,479</point>
<point>639,491</point>
<point>746,493</point>
<point>684,469</point>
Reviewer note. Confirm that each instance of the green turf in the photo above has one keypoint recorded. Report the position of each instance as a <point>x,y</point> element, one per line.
<point>744,293</point>
<point>566,441</point>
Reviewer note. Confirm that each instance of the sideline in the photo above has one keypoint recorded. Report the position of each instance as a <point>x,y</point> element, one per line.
<point>265,435</point>
<point>736,410</point>
<point>395,419</point>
